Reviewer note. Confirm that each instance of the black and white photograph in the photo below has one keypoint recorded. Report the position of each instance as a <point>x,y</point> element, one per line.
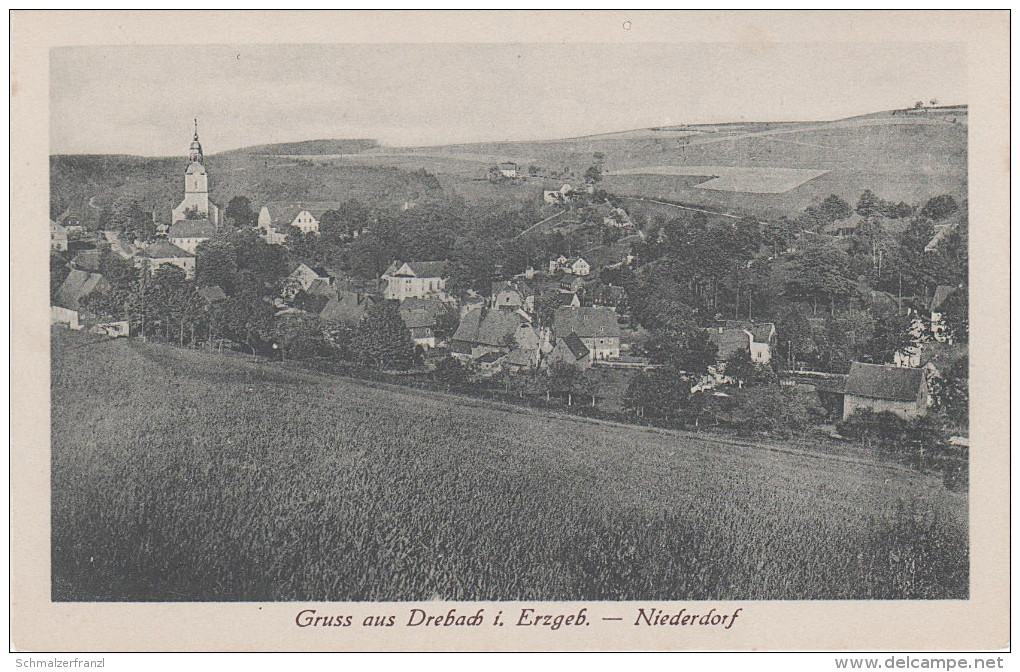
<point>589,322</point>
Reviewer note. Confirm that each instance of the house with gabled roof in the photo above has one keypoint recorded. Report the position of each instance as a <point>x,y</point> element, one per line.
<point>731,337</point>
<point>570,349</point>
<point>305,216</point>
<point>596,326</point>
<point>159,253</point>
<point>421,279</point>
<point>483,330</point>
<point>347,307</point>
<point>881,388</point>
<point>187,234</point>
<point>304,277</point>
<point>513,294</point>
<point>68,302</point>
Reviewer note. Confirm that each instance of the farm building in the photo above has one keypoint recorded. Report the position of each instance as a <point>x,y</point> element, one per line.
<point>596,326</point>
<point>483,330</point>
<point>887,389</point>
<point>347,307</point>
<point>418,279</point>
<point>68,303</point>
<point>734,336</point>
<point>421,316</point>
<point>571,266</point>
<point>571,350</point>
<point>509,170</point>
<point>513,294</point>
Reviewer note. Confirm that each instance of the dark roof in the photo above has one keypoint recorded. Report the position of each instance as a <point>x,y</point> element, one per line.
<point>319,287</point>
<point>565,298</point>
<point>488,327</point>
<point>162,249</point>
<point>87,260</point>
<point>879,381</point>
<point>728,341</point>
<point>347,307</point>
<point>761,332</point>
<point>521,357</point>
<point>577,348</point>
<point>212,294</point>
<point>77,286</point>
<point>490,357</point>
<point>518,286</point>
<point>285,212</point>
<point>417,319</point>
<point>192,228</point>
<point>586,322</point>
<point>420,269</point>
<point>413,303</point>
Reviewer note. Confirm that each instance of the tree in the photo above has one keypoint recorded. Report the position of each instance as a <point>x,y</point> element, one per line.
<point>845,340</point>
<point>770,411</point>
<point>953,399</point>
<point>562,378</point>
<point>868,204</point>
<point>299,337</point>
<point>381,338</point>
<point>587,385</point>
<point>594,174</point>
<point>246,318</point>
<point>450,372</point>
<point>834,208</point>
<point>939,207</point>
<point>821,272</point>
<point>239,212</point>
<point>795,337</point>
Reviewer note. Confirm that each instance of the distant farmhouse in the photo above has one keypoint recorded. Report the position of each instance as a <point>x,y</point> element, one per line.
<point>67,305</point>
<point>419,279</point>
<point>732,337</point>
<point>570,266</point>
<point>509,170</point>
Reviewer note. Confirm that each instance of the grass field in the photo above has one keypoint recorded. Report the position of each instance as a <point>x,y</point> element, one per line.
<point>185,475</point>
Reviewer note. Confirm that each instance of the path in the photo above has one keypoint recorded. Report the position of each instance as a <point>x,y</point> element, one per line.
<point>536,224</point>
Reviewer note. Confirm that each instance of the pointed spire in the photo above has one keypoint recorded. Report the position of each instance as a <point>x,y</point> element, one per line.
<point>196,128</point>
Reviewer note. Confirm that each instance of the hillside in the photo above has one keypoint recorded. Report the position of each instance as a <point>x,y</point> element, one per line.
<point>769,169</point>
<point>187,475</point>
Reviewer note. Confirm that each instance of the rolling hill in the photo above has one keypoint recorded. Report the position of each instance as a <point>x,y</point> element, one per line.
<point>900,156</point>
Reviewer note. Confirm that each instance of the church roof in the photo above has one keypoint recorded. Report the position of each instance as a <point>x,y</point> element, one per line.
<point>195,168</point>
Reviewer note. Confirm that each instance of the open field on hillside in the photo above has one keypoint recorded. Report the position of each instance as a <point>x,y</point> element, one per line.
<point>755,180</point>
<point>186,475</point>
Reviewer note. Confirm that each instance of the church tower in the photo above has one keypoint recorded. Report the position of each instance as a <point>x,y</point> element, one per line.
<point>196,188</point>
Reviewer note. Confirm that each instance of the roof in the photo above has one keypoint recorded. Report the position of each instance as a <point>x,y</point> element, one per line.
<point>576,347</point>
<point>58,229</point>
<point>490,357</point>
<point>586,322</point>
<point>319,287</point>
<point>879,381</point>
<point>192,228</point>
<point>347,307</point>
<point>521,357</point>
<point>488,327</point>
<point>162,249</point>
<point>77,286</point>
<point>212,294</point>
<point>285,212</point>
<point>518,286</point>
<point>850,223</point>
<point>419,269</point>
<point>565,298</point>
<point>508,164</point>
<point>418,319</point>
<point>761,332</point>
<point>413,303</point>
<point>942,293</point>
<point>729,342</point>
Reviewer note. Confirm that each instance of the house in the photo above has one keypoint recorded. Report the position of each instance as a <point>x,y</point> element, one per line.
<point>844,227</point>
<point>303,277</point>
<point>513,294</point>
<point>942,231</point>
<point>58,237</point>
<point>881,388</point>
<point>552,196</point>
<point>734,336</point>
<point>617,218</point>
<point>489,363</point>
<point>347,307</point>
<point>69,301</point>
<point>571,266</point>
<point>567,299</point>
<point>596,326</point>
<point>520,359</point>
<point>276,216</point>
<point>570,349</point>
<point>161,253</point>
<point>484,330</point>
<point>509,169</point>
<point>938,329</point>
<point>188,233</point>
<point>421,317</point>
<point>419,279</point>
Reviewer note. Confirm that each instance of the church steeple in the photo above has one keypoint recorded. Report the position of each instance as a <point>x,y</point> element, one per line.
<point>195,153</point>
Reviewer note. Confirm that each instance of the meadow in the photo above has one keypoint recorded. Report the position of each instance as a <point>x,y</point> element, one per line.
<point>186,475</point>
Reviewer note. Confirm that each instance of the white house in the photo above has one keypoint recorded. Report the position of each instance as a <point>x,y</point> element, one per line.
<point>509,170</point>
<point>571,266</point>
<point>418,279</point>
<point>276,216</point>
<point>58,237</point>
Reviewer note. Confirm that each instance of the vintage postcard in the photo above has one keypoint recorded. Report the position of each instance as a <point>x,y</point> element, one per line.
<point>510,331</point>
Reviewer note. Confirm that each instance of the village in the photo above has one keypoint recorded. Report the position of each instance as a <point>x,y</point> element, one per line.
<point>590,326</point>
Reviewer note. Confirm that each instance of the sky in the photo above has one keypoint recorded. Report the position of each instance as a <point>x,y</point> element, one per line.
<point>142,99</point>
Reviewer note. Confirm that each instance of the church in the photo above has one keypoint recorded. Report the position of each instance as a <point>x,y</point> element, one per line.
<point>196,218</point>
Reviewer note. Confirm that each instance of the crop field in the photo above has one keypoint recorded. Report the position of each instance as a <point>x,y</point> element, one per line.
<point>754,180</point>
<point>187,475</point>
